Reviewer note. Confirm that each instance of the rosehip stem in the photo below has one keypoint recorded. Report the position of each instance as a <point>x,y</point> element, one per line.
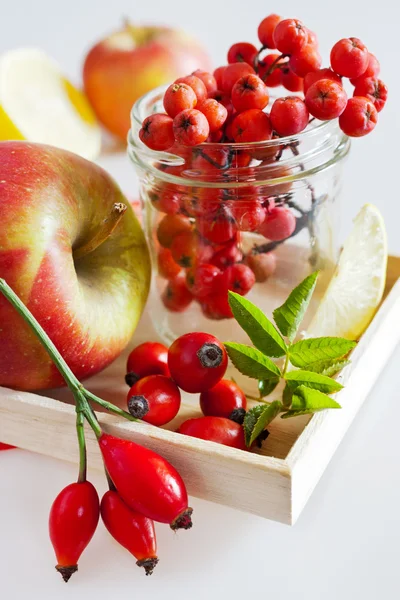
<point>103,232</point>
<point>80,421</point>
<point>275,65</point>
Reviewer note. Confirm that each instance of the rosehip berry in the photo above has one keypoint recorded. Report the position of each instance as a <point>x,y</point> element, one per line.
<point>215,113</point>
<point>271,75</point>
<point>312,39</point>
<point>188,250</point>
<point>373,89</point>
<point>202,201</point>
<point>290,36</point>
<point>215,429</point>
<point>225,399</point>
<point>242,52</point>
<point>238,278</point>
<point>176,297</point>
<point>232,73</point>
<point>359,117</point>
<point>197,86</point>
<point>178,97</point>
<point>149,358</point>
<point>326,99</point>
<point>73,520</point>
<point>5,446</point>
<point>166,266</point>
<point>197,362</point>
<point>249,92</point>
<point>146,482</point>
<point>166,201</point>
<point>191,127</point>
<point>311,78</point>
<point>171,226</point>
<point>130,529</point>
<point>262,265</point>
<point>279,224</point>
<point>202,280</point>
<point>157,132</point>
<point>266,30</point>
<point>249,214</point>
<point>289,115</point>
<point>306,60</point>
<point>228,255</point>
<point>349,57</point>
<point>218,76</point>
<point>218,228</point>
<point>251,126</point>
<point>208,79</point>
<point>155,399</point>
<point>373,69</point>
<point>291,81</point>
<point>217,307</point>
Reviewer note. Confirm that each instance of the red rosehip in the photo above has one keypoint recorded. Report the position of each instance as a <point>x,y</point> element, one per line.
<point>191,127</point>
<point>218,228</point>
<point>249,92</point>
<point>249,214</point>
<point>238,278</point>
<point>155,399</point>
<point>289,115</point>
<point>290,36</point>
<point>176,297</point>
<point>266,30</point>
<point>279,224</point>
<point>171,226</point>
<point>326,99</point>
<point>149,358</point>
<point>291,81</point>
<point>197,361</point>
<point>6,446</point>
<point>166,200</point>
<point>178,97</point>
<point>215,137</point>
<point>189,250</point>
<point>373,69</point>
<point>349,57</point>
<point>197,86</point>
<point>202,280</point>
<point>228,255</point>
<point>359,117</point>
<point>373,89</point>
<point>312,39</point>
<point>262,265</point>
<point>202,201</point>
<point>306,60</point>
<point>215,429</point>
<point>311,78</point>
<point>218,75</point>
<point>269,71</point>
<point>208,79</point>
<point>242,52</point>
<point>216,307</point>
<point>157,132</point>
<point>215,113</point>
<point>251,126</point>
<point>224,99</point>
<point>225,399</point>
<point>167,267</point>
<point>232,73</point>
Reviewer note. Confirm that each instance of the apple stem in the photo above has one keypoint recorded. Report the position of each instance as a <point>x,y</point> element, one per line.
<point>103,232</point>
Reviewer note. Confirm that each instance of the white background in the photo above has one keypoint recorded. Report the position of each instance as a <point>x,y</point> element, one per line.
<point>346,543</point>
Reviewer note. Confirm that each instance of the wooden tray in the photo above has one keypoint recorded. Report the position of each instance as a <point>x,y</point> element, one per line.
<point>274,483</point>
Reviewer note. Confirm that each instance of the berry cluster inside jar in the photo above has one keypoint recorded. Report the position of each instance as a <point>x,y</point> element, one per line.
<point>218,124</point>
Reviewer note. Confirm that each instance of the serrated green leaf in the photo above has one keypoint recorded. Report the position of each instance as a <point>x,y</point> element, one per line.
<point>330,368</point>
<point>260,330</point>
<point>287,396</point>
<point>252,362</point>
<point>294,379</point>
<point>310,399</point>
<point>289,316</point>
<point>306,353</point>
<point>266,386</point>
<point>259,419</point>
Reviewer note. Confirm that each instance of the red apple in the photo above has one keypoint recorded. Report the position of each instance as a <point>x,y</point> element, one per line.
<point>53,204</point>
<point>133,61</point>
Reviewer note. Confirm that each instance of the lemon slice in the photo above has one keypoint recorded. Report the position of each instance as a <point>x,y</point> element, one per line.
<point>38,104</point>
<point>357,286</point>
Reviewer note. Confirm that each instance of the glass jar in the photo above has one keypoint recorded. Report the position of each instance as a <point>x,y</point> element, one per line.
<point>270,208</point>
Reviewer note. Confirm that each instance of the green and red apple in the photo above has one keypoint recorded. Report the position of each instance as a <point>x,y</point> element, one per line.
<point>52,204</point>
<point>130,62</point>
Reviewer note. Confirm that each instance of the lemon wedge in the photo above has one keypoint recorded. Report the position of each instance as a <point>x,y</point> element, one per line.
<point>38,104</point>
<point>357,286</point>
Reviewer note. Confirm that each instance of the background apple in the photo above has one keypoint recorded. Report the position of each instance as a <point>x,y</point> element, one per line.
<point>133,61</point>
<point>53,203</point>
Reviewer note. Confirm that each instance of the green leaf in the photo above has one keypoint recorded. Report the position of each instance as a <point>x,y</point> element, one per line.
<point>258,418</point>
<point>296,413</point>
<point>313,380</point>
<point>306,353</point>
<point>330,368</point>
<point>252,362</point>
<point>260,330</point>
<point>289,316</point>
<point>287,396</point>
<point>266,386</point>
<point>310,399</point>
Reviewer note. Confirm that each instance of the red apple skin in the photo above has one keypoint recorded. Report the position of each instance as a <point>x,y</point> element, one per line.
<point>50,202</point>
<point>131,62</point>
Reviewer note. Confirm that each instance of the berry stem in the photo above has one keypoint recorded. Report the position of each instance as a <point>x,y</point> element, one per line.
<point>80,420</point>
<point>275,65</point>
<point>110,407</point>
<point>103,232</point>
